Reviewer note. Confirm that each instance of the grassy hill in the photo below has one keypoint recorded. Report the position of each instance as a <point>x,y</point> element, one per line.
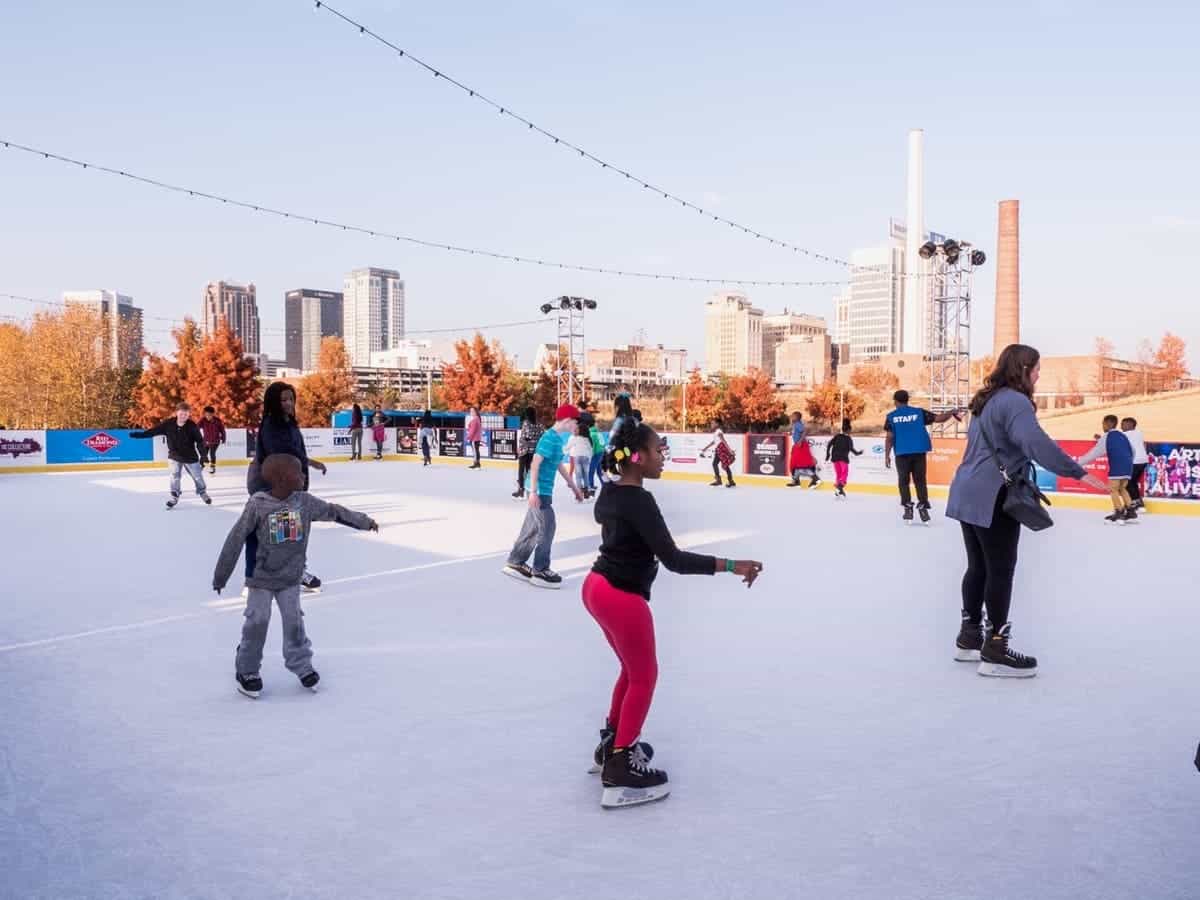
<point>1162,417</point>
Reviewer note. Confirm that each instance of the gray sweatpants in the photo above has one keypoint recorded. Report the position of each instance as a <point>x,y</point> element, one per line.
<point>196,470</point>
<point>297,649</point>
<point>536,537</point>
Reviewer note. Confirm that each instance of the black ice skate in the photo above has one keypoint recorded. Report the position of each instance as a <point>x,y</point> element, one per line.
<point>546,579</point>
<point>642,751</point>
<point>908,513</point>
<point>249,685</point>
<point>998,660</point>
<point>1115,519</point>
<point>814,484</point>
<point>519,571</point>
<point>716,483</point>
<point>310,583</point>
<point>207,499</point>
<point>969,642</point>
<point>310,680</point>
<point>840,492</point>
<point>923,511</point>
<point>173,501</point>
<point>518,494</point>
<point>628,782</point>
<point>731,483</point>
<point>1131,516</point>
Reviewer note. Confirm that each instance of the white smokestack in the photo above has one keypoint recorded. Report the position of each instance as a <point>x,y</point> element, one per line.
<point>913,337</point>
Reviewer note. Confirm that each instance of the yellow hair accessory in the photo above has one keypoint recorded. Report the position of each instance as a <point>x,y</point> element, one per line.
<point>620,453</point>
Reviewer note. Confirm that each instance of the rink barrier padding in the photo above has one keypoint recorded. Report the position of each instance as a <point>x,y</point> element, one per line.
<point>759,463</point>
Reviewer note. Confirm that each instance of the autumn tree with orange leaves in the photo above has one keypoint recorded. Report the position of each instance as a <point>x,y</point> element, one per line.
<point>825,404</point>
<point>703,402</point>
<point>478,377</point>
<point>751,403</point>
<point>330,387</point>
<point>1172,356</point>
<point>874,381</point>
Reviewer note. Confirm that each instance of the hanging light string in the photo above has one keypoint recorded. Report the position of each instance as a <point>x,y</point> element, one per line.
<point>378,233</point>
<point>178,323</point>
<point>575,148</point>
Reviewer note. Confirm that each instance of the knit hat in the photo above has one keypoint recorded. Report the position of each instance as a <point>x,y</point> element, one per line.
<point>566,411</point>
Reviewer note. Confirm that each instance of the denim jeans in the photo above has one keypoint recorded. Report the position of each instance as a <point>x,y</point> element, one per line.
<point>537,534</point>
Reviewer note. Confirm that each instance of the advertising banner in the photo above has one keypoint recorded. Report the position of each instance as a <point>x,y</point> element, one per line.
<point>22,448</point>
<point>766,454</point>
<point>683,451</point>
<point>1174,471</point>
<point>865,469</point>
<point>340,445</point>
<point>406,441</point>
<point>103,446</point>
<point>450,441</point>
<point>485,445</point>
<point>1099,468</point>
<point>233,448</point>
<point>503,443</point>
<point>944,459</point>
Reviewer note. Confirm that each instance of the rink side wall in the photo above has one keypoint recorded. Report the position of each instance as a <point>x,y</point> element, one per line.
<point>1172,480</point>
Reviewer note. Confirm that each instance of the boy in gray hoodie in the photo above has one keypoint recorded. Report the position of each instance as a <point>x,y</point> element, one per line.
<point>282,518</point>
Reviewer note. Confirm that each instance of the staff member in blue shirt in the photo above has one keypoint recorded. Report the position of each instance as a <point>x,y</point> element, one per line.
<point>908,437</point>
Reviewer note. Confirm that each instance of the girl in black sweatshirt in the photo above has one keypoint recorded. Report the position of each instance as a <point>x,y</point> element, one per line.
<point>617,595</point>
<point>839,451</point>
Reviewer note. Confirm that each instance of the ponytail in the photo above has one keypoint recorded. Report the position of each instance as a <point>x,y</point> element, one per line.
<point>630,437</point>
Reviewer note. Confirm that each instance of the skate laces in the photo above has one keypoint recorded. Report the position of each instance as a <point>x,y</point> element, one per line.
<point>636,762</point>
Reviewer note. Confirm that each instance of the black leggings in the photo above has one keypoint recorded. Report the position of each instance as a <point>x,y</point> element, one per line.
<point>209,455</point>
<point>523,464</point>
<point>912,466</point>
<point>991,562</point>
<point>718,466</point>
<point>425,449</point>
<point>1135,483</point>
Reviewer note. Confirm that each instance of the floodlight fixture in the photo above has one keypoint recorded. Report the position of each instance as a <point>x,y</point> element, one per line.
<point>978,258</point>
<point>952,249</point>
<point>590,304</point>
<point>927,249</point>
<point>547,309</point>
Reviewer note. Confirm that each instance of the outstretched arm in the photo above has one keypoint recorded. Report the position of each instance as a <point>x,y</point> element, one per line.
<point>159,429</point>
<point>232,548</point>
<point>320,511</point>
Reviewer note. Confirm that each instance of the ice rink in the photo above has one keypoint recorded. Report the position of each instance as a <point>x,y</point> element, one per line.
<point>821,741</point>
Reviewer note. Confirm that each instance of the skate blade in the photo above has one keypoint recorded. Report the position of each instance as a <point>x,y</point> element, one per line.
<point>253,695</point>
<point>961,655</point>
<point>309,590</point>
<point>618,797</point>
<point>544,585</point>
<point>514,574</point>
<point>595,769</point>
<point>995,670</point>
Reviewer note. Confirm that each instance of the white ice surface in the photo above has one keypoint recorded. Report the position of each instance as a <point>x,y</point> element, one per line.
<point>820,739</point>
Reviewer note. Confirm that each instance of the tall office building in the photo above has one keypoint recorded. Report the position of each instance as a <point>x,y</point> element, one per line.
<point>372,313</point>
<point>733,335</point>
<point>237,307</point>
<point>778,328</point>
<point>309,317</point>
<point>873,307</point>
<point>121,346</point>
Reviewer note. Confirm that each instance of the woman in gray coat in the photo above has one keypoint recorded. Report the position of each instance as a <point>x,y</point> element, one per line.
<point>1004,410</point>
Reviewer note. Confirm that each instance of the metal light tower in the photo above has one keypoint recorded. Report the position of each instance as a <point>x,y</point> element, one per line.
<point>952,276</point>
<point>571,369</point>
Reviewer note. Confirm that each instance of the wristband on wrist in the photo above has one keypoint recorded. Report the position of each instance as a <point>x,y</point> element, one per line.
<point>729,565</point>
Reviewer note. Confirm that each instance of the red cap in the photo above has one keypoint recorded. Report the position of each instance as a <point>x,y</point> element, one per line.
<point>566,411</point>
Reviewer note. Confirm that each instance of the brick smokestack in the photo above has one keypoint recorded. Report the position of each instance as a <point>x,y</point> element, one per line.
<point>1008,276</point>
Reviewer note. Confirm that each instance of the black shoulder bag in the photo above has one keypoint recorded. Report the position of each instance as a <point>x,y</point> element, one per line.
<point>1023,500</point>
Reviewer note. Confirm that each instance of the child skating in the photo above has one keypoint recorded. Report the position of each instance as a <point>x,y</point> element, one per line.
<point>723,455</point>
<point>379,434</point>
<point>213,430</point>
<point>1116,446</point>
<point>281,517</point>
<point>537,531</point>
<point>185,446</point>
<point>838,452</point>
<point>579,451</point>
<point>634,539</point>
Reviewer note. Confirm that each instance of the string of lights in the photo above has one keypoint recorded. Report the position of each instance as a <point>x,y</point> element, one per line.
<point>582,153</point>
<point>178,323</point>
<point>386,235</point>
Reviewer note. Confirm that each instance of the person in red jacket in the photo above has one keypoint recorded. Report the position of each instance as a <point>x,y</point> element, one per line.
<point>213,430</point>
<point>474,434</point>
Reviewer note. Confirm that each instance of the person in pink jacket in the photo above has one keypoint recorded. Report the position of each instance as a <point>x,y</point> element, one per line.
<point>474,434</point>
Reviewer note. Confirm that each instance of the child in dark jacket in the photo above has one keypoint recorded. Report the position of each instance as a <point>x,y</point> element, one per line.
<point>185,444</point>
<point>213,430</point>
<point>282,519</point>
<point>839,451</point>
<point>1116,446</point>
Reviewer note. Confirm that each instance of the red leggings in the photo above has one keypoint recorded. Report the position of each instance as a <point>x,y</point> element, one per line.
<point>626,621</point>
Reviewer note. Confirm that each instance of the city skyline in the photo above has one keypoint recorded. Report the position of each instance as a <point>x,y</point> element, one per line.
<point>1107,199</point>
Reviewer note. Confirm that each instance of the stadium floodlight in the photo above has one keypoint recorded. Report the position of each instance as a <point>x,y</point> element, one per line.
<point>978,258</point>
<point>927,249</point>
<point>547,309</point>
<point>590,304</point>
<point>564,302</point>
<point>952,249</point>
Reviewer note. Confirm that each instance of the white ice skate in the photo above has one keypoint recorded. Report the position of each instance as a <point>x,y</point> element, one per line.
<point>618,797</point>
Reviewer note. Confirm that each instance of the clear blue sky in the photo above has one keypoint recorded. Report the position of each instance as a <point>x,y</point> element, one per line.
<point>790,117</point>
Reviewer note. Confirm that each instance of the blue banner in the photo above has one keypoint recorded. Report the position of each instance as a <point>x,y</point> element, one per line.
<point>96,446</point>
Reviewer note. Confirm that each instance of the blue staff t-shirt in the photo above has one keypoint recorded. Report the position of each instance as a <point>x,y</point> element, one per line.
<point>550,449</point>
<point>909,428</point>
